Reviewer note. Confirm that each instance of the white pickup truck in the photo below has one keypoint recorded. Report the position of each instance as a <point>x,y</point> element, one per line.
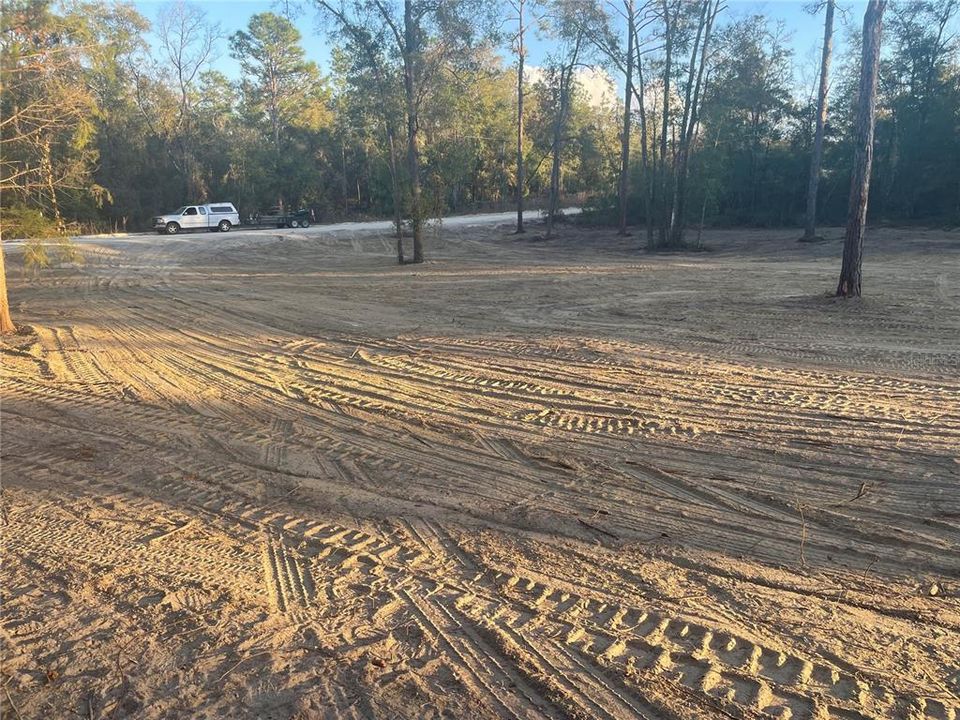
<point>213,216</point>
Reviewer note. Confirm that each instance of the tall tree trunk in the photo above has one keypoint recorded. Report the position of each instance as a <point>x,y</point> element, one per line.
<point>699,91</point>
<point>665,129</point>
<point>410,62</point>
<point>689,121</point>
<point>46,168</point>
<point>703,215</point>
<point>810,228</point>
<point>644,158</point>
<point>560,129</point>
<point>504,183</point>
<point>343,178</point>
<point>850,272</point>
<point>520,178</point>
<point>6,324</point>
<point>275,123</point>
<point>554,200</point>
<point>395,187</point>
<point>652,184</point>
<point>625,140</point>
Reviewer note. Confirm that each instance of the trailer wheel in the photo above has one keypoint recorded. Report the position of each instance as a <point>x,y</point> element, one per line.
<point>224,226</point>
<point>172,228</point>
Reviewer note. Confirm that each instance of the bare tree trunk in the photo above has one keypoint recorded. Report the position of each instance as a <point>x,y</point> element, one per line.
<point>665,129</point>
<point>644,158</point>
<point>554,200</point>
<point>520,178</point>
<point>275,123</point>
<point>810,229</point>
<point>685,119</point>
<point>46,168</point>
<point>625,140</point>
<point>343,178</point>
<point>565,91</point>
<point>6,323</point>
<point>703,215</point>
<point>395,186</point>
<point>410,59</point>
<point>652,183</point>
<point>850,272</point>
<point>504,184</point>
<point>690,120</point>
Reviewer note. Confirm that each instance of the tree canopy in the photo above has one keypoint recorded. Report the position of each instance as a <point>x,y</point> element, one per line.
<point>103,129</point>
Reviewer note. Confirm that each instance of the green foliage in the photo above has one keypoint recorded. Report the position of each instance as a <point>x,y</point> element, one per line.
<point>47,134</point>
<point>748,117</point>
<point>23,223</point>
<point>35,257</point>
<point>284,101</point>
<point>918,129</point>
<point>119,139</point>
<point>27,223</point>
<point>68,252</point>
<point>36,254</point>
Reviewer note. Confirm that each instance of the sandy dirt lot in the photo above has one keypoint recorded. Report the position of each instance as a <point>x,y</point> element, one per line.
<point>274,475</point>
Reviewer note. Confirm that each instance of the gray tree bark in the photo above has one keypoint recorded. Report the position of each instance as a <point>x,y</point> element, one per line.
<point>564,91</point>
<point>668,24</point>
<point>691,116</point>
<point>559,126</point>
<point>850,271</point>
<point>639,92</point>
<point>410,61</point>
<point>810,228</point>
<point>625,140</point>
<point>520,178</point>
<point>395,186</point>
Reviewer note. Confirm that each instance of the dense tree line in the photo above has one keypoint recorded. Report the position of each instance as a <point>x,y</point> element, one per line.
<point>418,116</point>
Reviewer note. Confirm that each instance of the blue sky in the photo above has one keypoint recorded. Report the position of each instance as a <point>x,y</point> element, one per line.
<point>805,30</point>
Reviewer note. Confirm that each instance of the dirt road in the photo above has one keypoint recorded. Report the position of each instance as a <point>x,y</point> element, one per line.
<point>274,475</point>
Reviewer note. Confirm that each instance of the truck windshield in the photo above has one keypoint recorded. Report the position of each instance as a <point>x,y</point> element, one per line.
<point>179,210</point>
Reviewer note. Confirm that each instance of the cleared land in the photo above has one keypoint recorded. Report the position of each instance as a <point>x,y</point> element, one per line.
<point>274,475</point>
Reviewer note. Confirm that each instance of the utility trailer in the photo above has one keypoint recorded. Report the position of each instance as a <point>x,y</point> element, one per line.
<point>277,216</point>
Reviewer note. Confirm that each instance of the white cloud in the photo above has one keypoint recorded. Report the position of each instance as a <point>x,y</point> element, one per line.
<point>597,85</point>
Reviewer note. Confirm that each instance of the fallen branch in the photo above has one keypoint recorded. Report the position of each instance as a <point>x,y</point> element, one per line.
<point>10,700</point>
<point>803,535</point>
<point>860,493</point>
<point>242,660</point>
<point>597,529</point>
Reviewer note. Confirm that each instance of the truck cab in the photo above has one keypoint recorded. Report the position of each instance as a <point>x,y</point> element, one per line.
<point>211,216</point>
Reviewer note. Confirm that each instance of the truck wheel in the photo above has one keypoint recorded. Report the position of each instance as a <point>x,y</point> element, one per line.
<point>294,223</point>
<point>304,223</point>
<point>224,226</point>
<point>172,228</point>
